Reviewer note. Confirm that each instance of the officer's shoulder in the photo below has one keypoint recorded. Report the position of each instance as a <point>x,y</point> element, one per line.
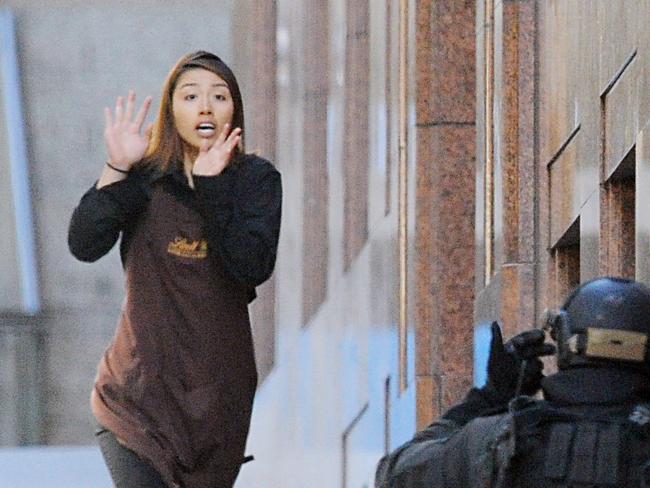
<point>490,423</point>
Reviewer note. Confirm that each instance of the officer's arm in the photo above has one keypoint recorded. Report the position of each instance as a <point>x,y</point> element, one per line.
<point>514,368</point>
<point>416,463</point>
<point>404,466</point>
<point>445,455</point>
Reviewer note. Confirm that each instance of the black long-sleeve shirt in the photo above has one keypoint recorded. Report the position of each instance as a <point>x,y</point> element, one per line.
<point>241,208</point>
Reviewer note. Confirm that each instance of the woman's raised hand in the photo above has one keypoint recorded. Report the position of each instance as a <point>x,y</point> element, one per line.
<point>125,141</point>
<point>213,159</point>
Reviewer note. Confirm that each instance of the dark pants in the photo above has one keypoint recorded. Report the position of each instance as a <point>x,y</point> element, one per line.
<point>127,469</point>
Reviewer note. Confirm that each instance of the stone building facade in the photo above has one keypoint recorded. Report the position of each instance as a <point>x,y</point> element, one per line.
<point>445,163</point>
<point>370,118</point>
<point>561,113</point>
<point>505,145</point>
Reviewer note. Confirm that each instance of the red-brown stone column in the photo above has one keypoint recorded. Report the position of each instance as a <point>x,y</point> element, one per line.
<point>515,48</point>
<point>510,294</point>
<point>445,68</point>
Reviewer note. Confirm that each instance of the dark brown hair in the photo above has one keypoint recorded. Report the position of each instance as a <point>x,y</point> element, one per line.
<point>166,146</point>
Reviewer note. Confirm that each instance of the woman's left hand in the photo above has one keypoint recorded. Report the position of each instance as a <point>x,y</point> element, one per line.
<point>213,159</point>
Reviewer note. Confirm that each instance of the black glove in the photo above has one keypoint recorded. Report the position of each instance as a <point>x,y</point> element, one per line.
<point>505,363</point>
<point>504,374</point>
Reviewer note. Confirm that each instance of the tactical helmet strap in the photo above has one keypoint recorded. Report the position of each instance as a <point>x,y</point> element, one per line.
<point>562,334</point>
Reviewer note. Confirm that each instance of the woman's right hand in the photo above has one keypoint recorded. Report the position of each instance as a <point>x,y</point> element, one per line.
<point>125,142</point>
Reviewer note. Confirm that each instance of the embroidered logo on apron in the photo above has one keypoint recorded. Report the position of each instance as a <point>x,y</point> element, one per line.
<point>180,246</point>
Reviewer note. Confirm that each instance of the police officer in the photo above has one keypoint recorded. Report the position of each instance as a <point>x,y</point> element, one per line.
<point>591,430</point>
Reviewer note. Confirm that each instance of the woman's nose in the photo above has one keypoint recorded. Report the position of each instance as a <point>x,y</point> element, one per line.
<point>206,107</point>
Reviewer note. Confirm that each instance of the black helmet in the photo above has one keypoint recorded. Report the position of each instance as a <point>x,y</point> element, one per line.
<point>604,321</point>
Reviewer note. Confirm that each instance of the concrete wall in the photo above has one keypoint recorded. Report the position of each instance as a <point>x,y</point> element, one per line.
<point>77,57</point>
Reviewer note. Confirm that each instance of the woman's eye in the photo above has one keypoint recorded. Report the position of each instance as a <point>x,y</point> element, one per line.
<point>190,97</point>
<point>220,97</point>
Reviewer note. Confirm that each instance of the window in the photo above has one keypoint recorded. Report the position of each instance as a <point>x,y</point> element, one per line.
<point>566,262</point>
<point>618,222</point>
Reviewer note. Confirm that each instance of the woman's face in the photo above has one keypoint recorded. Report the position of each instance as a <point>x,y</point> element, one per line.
<point>201,105</point>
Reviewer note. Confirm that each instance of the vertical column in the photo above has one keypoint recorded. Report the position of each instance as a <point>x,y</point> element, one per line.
<point>315,177</point>
<point>21,349</point>
<point>355,166</point>
<point>18,242</point>
<point>507,199</point>
<point>256,36</point>
<point>390,92</point>
<point>445,66</point>
<point>403,194</point>
<point>515,65</point>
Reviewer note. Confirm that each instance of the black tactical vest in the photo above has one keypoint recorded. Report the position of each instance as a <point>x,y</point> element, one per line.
<point>592,446</point>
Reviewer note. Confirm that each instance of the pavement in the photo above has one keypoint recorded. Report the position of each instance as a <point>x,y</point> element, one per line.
<point>53,467</point>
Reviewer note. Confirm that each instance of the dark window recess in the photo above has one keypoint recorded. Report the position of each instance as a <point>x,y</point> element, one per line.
<point>566,261</point>
<point>618,218</point>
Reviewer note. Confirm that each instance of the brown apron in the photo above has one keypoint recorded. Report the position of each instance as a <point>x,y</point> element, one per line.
<point>176,385</point>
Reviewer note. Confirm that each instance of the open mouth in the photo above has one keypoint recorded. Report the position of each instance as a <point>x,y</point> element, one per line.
<point>206,129</point>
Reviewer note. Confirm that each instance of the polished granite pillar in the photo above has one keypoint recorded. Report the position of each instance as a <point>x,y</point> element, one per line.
<point>445,187</point>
